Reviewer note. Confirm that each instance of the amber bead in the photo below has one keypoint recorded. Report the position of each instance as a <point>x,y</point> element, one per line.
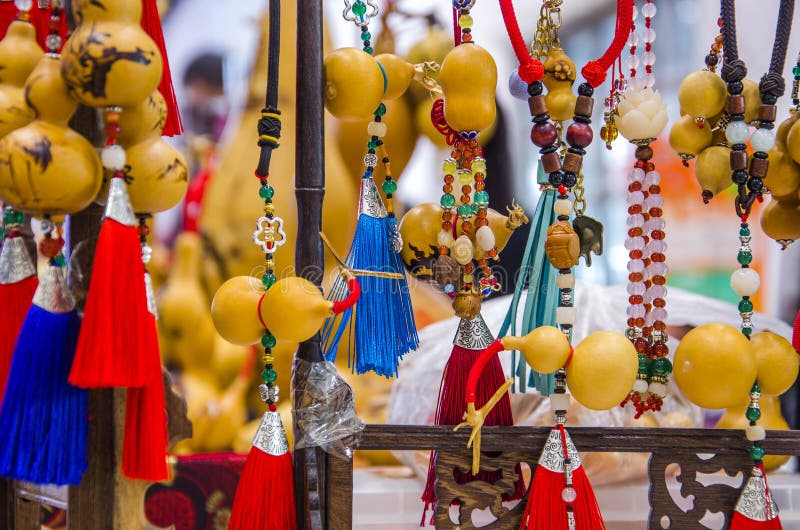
<point>480,177</point>
<point>635,186</point>
<point>143,230</point>
<point>449,179</point>
<point>656,212</point>
<point>492,253</point>
<point>455,153</point>
<point>641,164</point>
<point>635,254</point>
<point>50,247</point>
<point>481,222</point>
<point>579,134</point>
<point>447,188</point>
<point>659,280</point>
<point>660,326</point>
<point>544,134</point>
<point>635,277</point>
<point>447,216</point>
<point>447,226</point>
<point>469,268</point>
<point>660,349</point>
<point>443,250</point>
<point>480,186</point>
<point>654,189</point>
<point>657,234</point>
<point>659,302</point>
<point>466,226</point>
<point>636,208</point>
<point>658,257</point>
<point>635,299</point>
<point>640,345</point>
<point>639,322</point>
<point>465,199</point>
<point>635,232</point>
<point>482,213</point>
<point>631,322</point>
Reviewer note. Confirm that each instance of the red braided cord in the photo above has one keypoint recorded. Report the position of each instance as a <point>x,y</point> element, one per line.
<point>438,120</point>
<point>595,71</point>
<point>477,368</point>
<point>456,28</point>
<point>530,68</point>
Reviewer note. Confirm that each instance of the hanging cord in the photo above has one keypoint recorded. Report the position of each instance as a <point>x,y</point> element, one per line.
<point>530,68</point>
<point>269,125</point>
<point>595,71</point>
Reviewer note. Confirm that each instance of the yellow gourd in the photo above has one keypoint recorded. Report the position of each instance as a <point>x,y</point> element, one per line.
<point>469,80</point>
<point>602,370</point>
<point>712,169</point>
<point>143,120</point>
<point>793,141</point>
<point>777,362</point>
<point>234,310</point>
<point>714,366</point>
<point>109,60</point>
<point>771,419</point>
<point>687,139</point>
<point>559,75</point>
<point>399,74</point>
<point>702,94</point>
<point>354,84</point>
<point>783,177</point>
<point>46,167</point>
<point>752,100</point>
<point>19,54</point>
<point>781,221</point>
<point>433,47</point>
<point>294,309</point>
<point>546,348</point>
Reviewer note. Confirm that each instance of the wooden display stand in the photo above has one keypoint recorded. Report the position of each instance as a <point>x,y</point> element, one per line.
<point>324,486</point>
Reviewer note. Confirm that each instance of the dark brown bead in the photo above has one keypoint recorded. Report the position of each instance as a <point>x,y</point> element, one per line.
<point>573,162</point>
<point>758,167</point>
<point>640,344</point>
<point>551,162</point>
<point>640,322</point>
<point>579,135</point>
<point>544,134</point>
<point>736,104</point>
<point>537,105</point>
<point>643,154</point>
<point>584,106</point>
<point>660,349</point>
<point>631,322</point>
<point>738,160</point>
<point>641,164</point>
<point>768,113</point>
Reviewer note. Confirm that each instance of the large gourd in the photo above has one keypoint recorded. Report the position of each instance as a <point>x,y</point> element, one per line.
<point>469,79</point>
<point>19,54</point>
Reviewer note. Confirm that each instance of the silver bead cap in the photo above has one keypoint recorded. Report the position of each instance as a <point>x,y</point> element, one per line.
<point>271,437</point>
<point>473,334</point>
<point>754,502</point>
<point>119,206</point>
<point>15,261</point>
<point>53,293</point>
<point>552,457</point>
<point>370,201</point>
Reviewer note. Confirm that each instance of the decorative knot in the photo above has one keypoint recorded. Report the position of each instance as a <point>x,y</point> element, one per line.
<point>772,83</point>
<point>439,121</point>
<point>594,73</point>
<point>269,127</point>
<point>532,71</point>
<point>733,71</point>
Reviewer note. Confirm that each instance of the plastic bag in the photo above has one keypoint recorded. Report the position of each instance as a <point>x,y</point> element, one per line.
<point>324,414</point>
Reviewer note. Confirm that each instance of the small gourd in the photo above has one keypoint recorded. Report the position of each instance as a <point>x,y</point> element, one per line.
<point>687,138</point>
<point>19,54</point>
<point>559,76</point>
<point>546,349</point>
<point>109,60</point>
<point>562,245</point>
<point>713,170</point>
<point>469,79</point>
<point>156,173</point>
<point>793,142</point>
<point>752,100</point>
<point>602,370</point>
<point>354,84</point>
<point>702,95</point>
<point>783,178</point>
<point>781,221</point>
<point>46,167</point>
<point>399,74</point>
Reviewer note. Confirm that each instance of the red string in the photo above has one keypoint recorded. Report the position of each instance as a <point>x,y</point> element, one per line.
<point>563,440</point>
<point>530,68</point>
<point>456,28</point>
<point>595,71</point>
<point>477,368</point>
<point>440,123</point>
<point>341,306</point>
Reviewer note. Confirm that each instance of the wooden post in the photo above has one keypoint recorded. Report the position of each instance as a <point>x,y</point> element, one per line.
<point>309,464</point>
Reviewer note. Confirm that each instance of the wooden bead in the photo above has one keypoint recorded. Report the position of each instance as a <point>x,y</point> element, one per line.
<point>736,104</point>
<point>573,163</point>
<point>584,106</point>
<point>537,105</point>
<point>767,113</point>
<point>551,162</point>
<point>738,160</point>
<point>758,167</point>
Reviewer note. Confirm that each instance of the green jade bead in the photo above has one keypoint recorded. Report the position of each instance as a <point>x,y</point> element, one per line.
<point>745,306</point>
<point>266,192</point>
<point>447,201</point>
<point>268,280</point>
<point>465,210</point>
<point>389,186</point>
<point>752,414</point>
<point>269,375</point>
<point>757,452</point>
<point>744,258</point>
<point>662,366</point>
<point>269,340</point>
<point>359,8</point>
<point>744,232</point>
<point>481,197</point>
<point>796,70</point>
<point>381,110</point>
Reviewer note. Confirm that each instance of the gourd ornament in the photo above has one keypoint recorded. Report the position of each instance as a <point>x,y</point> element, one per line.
<point>19,54</point>
<point>559,76</point>
<point>109,60</point>
<point>783,178</point>
<point>702,95</point>
<point>781,221</point>
<point>46,167</point>
<point>421,227</point>
<point>469,79</point>
<point>156,173</point>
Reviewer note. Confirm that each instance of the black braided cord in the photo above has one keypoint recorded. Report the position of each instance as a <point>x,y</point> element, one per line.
<point>269,125</point>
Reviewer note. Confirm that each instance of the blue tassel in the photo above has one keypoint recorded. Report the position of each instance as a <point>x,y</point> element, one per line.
<point>382,321</point>
<point>43,419</point>
<point>538,277</point>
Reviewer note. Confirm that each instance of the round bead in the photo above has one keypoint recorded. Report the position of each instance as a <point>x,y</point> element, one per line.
<point>445,238</point>
<point>447,200</point>
<point>762,139</point>
<point>562,207</point>
<point>269,375</point>
<point>465,21</point>
<point>559,402</point>
<point>113,157</point>
<point>389,186</point>
<point>569,494</point>
<point>566,315</point>
<point>633,38</point>
<point>544,134</point>
<point>632,62</point>
<point>649,10</point>
<point>268,280</point>
<point>481,198</point>
<point>653,201</point>
<point>565,281</point>
<point>744,258</point>
<point>53,42</point>
<point>652,178</point>
<point>269,341</point>
<point>656,246</point>
<point>737,132</point>
<point>634,197</point>
<point>634,243</point>
<point>755,433</point>
<point>657,269</point>
<point>636,289</point>
<point>745,306</point>
<point>657,389</point>
<point>485,238</point>
<point>649,35</point>
<point>465,177</point>
<point>757,452</point>
<point>635,311</point>
<point>636,175</point>
<point>662,366</point>
<point>640,385</point>
<point>449,167</point>
<point>579,134</point>
<point>745,282</point>
<point>752,414</point>
<point>449,288</point>
<point>518,87</point>
<point>465,210</point>
<point>636,265</point>
<point>376,128</point>
<point>635,221</point>
<point>266,192</point>
<point>649,58</point>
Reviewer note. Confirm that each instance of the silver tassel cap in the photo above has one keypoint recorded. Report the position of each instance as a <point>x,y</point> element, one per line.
<point>370,202</point>
<point>473,334</point>
<point>119,206</point>
<point>271,436</point>
<point>15,261</point>
<point>53,294</point>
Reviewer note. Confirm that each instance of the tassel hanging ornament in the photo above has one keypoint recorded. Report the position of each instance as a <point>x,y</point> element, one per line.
<point>151,24</point>
<point>18,283</point>
<point>382,323</point>
<point>43,418</point>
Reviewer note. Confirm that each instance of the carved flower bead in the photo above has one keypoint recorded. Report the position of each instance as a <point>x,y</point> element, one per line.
<point>641,114</point>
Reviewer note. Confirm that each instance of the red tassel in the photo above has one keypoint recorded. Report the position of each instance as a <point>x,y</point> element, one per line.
<point>113,348</point>
<point>796,333</point>
<point>265,494</point>
<point>450,411</point>
<point>546,509</point>
<point>18,283</point>
<point>151,23</point>
<point>8,14</point>
<point>756,509</point>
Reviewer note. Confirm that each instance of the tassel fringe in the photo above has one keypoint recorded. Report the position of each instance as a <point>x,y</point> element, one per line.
<point>151,24</point>
<point>15,301</point>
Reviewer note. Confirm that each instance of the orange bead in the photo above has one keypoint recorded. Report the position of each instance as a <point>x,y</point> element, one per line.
<point>466,226</point>
<point>447,188</point>
<point>447,216</point>
<point>447,226</point>
<point>448,179</point>
<point>492,253</point>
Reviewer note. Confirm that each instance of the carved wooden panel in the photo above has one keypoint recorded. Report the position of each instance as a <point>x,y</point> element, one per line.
<point>465,497</point>
<point>700,493</point>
